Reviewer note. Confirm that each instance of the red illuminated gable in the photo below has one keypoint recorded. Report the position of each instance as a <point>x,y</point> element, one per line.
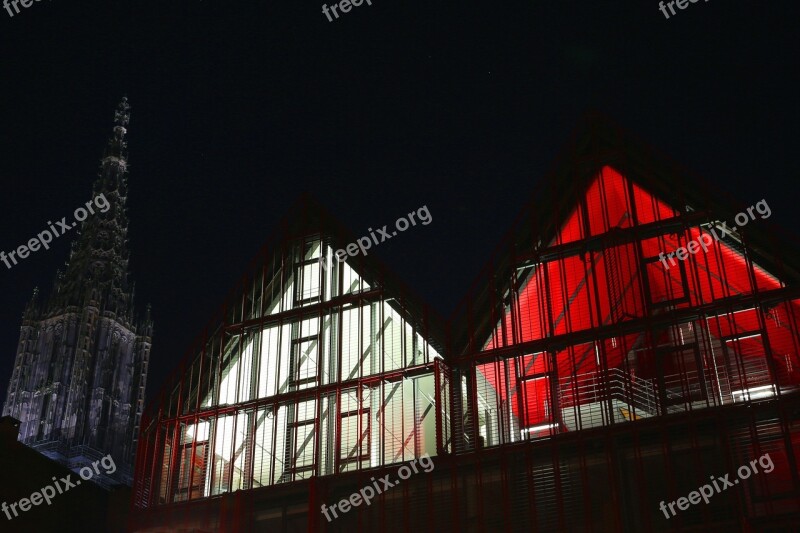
<point>559,297</point>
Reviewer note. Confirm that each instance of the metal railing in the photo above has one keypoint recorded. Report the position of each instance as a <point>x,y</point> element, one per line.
<point>602,398</point>
<point>593,387</point>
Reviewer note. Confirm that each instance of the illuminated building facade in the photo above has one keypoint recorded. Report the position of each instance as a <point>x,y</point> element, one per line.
<point>579,384</point>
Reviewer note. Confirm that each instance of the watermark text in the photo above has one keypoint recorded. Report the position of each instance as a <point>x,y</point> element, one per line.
<point>44,238</point>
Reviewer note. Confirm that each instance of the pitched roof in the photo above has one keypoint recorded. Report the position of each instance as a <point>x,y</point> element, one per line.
<point>306,217</point>
<point>599,144</point>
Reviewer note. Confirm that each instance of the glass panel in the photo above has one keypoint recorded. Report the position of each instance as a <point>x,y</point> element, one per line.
<point>303,446</point>
<point>308,284</point>
<point>263,458</point>
<point>351,351</point>
<point>426,416</point>
<point>193,461</point>
<point>241,452</point>
<point>354,449</point>
<point>223,453</point>
<point>305,356</point>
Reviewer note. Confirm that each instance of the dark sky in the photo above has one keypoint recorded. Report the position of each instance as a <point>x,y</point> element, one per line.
<point>238,107</point>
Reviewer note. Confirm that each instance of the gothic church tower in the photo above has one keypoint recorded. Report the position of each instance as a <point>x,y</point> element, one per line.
<point>80,372</point>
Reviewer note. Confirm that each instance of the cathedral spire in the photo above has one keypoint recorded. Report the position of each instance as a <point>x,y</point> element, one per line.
<point>81,365</point>
<point>115,160</point>
<point>121,118</point>
<point>98,263</point>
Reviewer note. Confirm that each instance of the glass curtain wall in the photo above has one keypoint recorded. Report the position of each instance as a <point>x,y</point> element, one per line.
<point>314,372</point>
<point>597,330</point>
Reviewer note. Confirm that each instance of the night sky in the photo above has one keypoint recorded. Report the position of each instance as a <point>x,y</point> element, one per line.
<point>239,107</point>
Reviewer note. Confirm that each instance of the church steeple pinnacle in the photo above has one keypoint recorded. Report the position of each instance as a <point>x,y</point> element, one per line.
<point>121,118</point>
<point>98,264</point>
<point>121,115</point>
<point>116,157</point>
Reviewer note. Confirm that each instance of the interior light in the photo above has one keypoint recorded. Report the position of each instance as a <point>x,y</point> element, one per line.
<point>756,393</point>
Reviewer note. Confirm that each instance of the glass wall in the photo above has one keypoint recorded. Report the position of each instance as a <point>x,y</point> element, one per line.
<point>315,371</point>
<point>601,328</point>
